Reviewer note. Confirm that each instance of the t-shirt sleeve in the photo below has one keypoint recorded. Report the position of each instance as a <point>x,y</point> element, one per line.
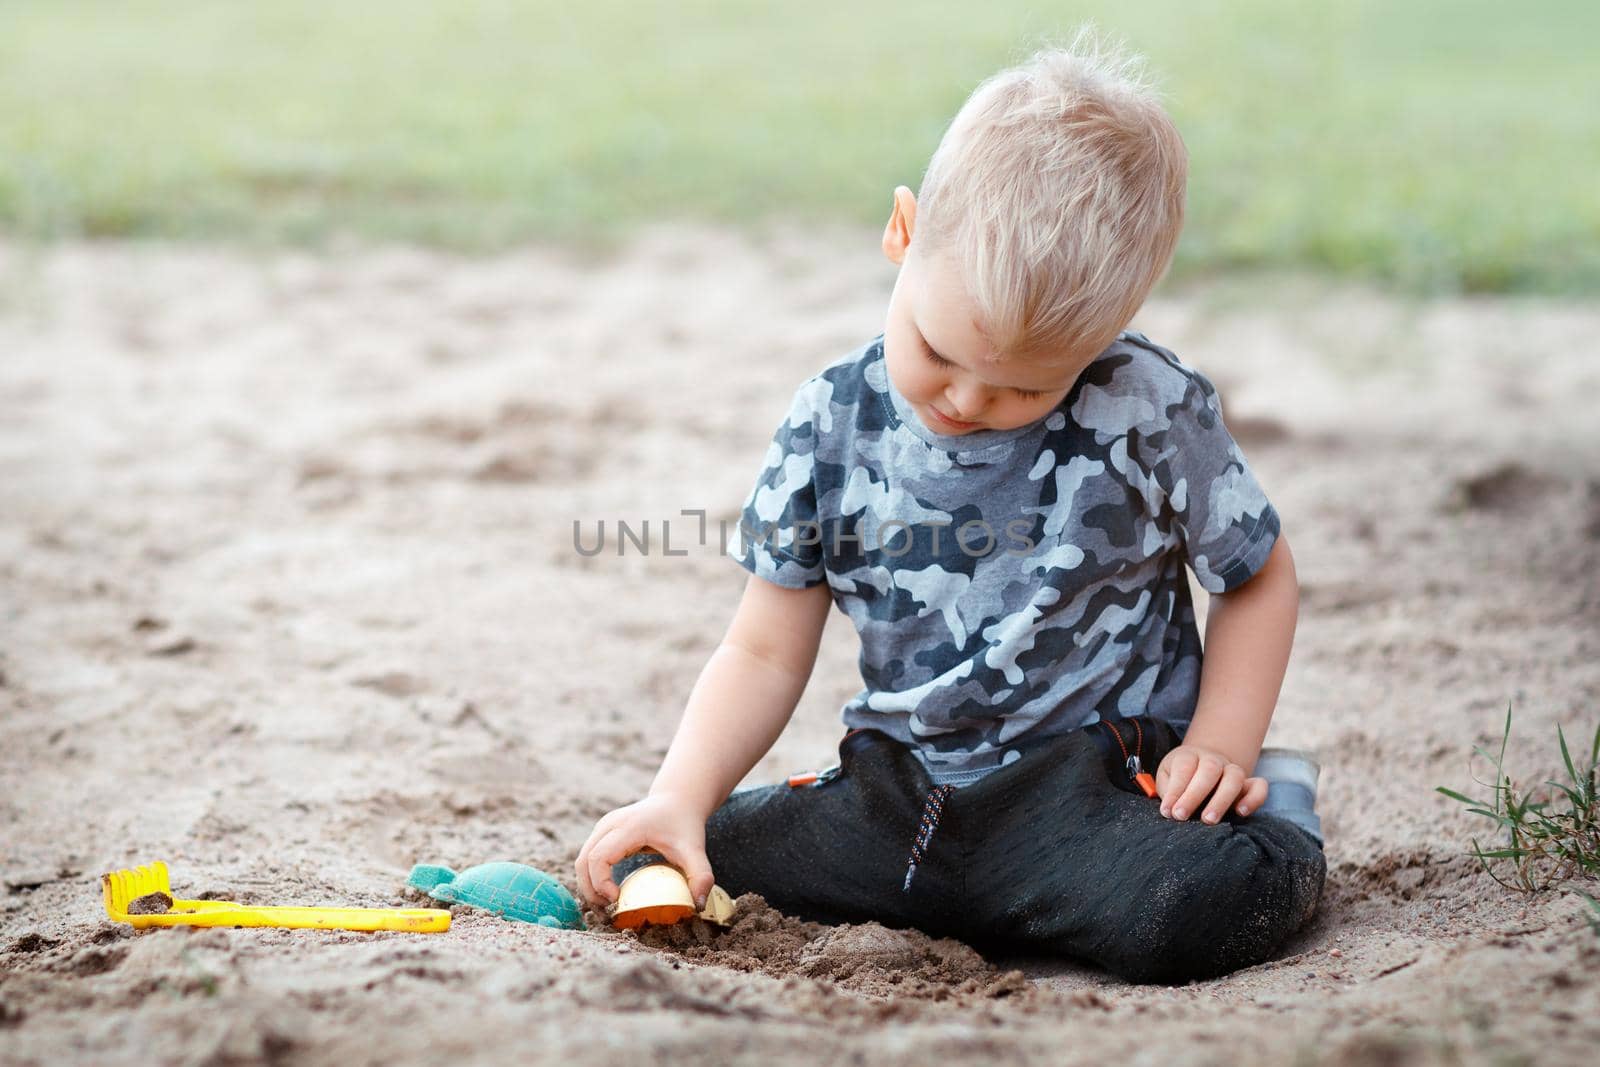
<point>779,537</point>
<point>1208,493</point>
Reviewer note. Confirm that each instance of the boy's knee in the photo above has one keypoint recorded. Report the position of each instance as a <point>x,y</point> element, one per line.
<point>1228,908</point>
<point>742,820</point>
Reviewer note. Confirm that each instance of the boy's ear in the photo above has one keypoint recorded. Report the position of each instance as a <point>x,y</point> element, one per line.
<point>902,220</point>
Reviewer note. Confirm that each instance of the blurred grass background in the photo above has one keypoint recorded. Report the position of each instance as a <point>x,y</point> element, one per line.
<point>1434,146</point>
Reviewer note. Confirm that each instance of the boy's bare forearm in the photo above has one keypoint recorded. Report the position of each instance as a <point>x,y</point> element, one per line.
<point>740,703</point>
<point>1248,636</point>
<point>735,712</point>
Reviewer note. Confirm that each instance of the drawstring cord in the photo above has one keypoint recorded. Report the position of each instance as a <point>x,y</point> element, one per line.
<point>931,809</point>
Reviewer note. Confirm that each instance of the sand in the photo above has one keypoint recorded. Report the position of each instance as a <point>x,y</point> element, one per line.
<point>289,599</point>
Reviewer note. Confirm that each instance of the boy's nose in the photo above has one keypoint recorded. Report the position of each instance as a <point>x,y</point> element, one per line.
<point>966,400</point>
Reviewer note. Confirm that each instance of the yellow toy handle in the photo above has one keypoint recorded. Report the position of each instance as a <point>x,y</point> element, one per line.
<point>123,887</point>
<point>414,920</point>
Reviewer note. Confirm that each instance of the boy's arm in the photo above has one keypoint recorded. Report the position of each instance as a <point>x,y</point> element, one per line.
<point>1248,634</point>
<point>745,694</point>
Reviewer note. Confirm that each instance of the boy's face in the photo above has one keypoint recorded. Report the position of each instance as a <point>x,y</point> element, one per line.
<point>940,361</point>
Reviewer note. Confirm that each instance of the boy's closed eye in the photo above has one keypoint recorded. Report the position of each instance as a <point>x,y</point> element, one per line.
<point>940,361</point>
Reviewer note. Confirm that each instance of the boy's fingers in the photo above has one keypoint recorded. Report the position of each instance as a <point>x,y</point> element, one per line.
<point>692,862</point>
<point>1228,788</point>
<point>585,887</point>
<point>1206,773</point>
<point>586,868</point>
<point>1177,772</point>
<point>580,867</point>
<point>1255,794</point>
<point>700,885</point>
<point>608,850</point>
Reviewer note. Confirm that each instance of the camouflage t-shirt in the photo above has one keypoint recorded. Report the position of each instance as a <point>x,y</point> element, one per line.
<point>1010,585</point>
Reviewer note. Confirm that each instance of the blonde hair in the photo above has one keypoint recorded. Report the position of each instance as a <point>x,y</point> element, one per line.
<point>1059,189</point>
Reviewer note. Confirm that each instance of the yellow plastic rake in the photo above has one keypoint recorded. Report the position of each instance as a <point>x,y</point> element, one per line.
<point>123,887</point>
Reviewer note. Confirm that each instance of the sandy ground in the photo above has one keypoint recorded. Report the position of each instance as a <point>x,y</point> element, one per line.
<point>289,599</point>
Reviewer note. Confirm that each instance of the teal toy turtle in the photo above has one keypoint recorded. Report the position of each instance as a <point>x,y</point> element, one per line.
<point>510,890</point>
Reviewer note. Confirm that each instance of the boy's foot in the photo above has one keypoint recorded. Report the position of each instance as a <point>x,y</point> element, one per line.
<point>1291,775</point>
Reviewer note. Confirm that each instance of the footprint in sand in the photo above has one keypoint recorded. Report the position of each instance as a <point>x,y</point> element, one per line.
<point>393,683</point>
<point>1507,488</point>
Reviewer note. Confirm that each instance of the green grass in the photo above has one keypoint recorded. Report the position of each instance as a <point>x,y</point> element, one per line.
<point>1438,146</point>
<point>1550,832</point>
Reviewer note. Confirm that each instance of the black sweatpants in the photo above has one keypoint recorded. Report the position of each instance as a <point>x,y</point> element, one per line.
<point>1060,851</point>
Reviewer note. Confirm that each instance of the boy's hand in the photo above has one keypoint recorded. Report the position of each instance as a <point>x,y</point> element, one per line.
<point>1189,773</point>
<point>669,826</point>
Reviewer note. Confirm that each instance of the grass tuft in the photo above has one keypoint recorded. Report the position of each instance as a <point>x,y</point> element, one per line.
<point>1550,832</point>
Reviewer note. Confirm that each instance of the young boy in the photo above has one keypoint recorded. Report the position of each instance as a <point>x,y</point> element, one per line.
<point>1001,491</point>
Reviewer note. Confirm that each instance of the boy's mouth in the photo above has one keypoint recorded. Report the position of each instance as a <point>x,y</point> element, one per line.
<point>955,424</point>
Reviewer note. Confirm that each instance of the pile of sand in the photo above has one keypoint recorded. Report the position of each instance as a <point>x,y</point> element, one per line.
<point>866,958</point>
